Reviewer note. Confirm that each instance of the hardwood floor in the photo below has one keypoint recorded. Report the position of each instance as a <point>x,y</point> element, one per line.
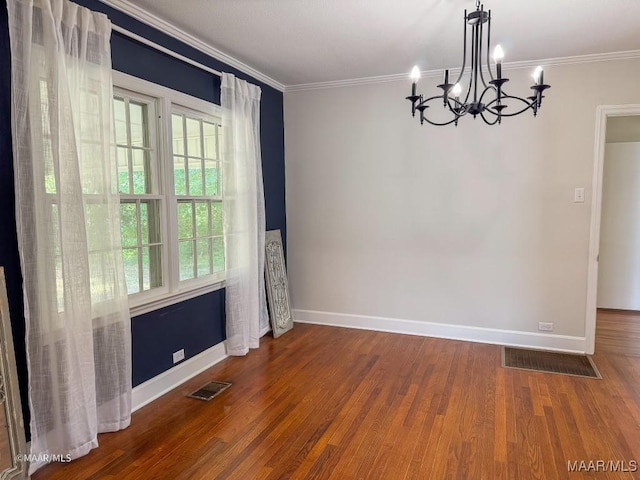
<point>618,331</point>
<point>333,403</point>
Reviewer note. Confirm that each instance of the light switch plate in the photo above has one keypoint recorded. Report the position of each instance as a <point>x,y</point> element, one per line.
<point>578,195</point>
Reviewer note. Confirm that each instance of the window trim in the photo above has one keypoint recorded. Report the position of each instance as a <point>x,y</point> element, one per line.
<point>173,291</point>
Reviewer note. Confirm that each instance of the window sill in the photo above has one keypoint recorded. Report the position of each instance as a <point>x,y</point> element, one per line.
<point>151,304</point>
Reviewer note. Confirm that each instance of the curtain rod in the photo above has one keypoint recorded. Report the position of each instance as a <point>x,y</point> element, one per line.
<point>162,49</point>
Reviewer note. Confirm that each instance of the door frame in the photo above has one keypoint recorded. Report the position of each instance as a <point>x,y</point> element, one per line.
<point>602,113</point>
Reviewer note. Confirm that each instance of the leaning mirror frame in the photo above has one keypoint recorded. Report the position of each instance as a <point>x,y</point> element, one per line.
<point>12,438</point>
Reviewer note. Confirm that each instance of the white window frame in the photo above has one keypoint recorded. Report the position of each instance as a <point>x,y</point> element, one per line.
<point>173,290</point>
<point>195,114</point>
<point>160,196</point>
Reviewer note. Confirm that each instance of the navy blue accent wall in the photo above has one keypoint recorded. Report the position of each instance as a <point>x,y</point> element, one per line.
<point>152,351</point>
<point>9,257</point>
<point>195,324</point>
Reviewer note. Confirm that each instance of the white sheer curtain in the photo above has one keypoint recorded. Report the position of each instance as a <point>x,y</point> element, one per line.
<point>243,201</point>
<point>67,216</point>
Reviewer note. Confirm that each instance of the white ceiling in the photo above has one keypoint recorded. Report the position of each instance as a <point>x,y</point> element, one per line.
<point>306,41</point>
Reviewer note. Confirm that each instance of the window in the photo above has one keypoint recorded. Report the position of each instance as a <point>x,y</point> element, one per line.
<point>169,179</point>
<point>196,178</point>
<point>94,149</point>
<point>140,198</point>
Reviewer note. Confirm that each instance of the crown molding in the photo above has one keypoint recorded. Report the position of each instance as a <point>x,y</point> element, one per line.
<point>165,27</point>
<point>598,57</point>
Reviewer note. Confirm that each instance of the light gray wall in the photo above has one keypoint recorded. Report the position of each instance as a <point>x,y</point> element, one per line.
<point>469,226</point>
<point>619,266</point>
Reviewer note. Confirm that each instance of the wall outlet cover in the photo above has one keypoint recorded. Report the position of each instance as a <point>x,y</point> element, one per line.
<point>178,356</point>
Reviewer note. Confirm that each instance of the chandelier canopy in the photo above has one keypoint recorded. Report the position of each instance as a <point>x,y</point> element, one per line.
<point>487,99</point>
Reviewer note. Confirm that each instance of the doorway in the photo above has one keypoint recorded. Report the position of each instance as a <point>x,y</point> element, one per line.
<point>613,290</point>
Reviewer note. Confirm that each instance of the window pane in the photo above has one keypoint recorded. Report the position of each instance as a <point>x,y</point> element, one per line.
<point>91,169</point>
<point>123,170</point>
<point>185,258</point>
<point>55,223</point>
<point>194,148</point>
<point>185,220</point>
<point>144,223</point>
<point>210,146</point>
<point>96,223</point>
<point>59,284</point>
<point>177,131</point>
<point>218,254</point>
<point>155,266</point>
<point>216,210</point>
<point>138,119</point>
<point>203,219</point>
<point>139,172</point>
<point>195,176</point>
<point>179,180</point>
<point>130,261</point>
<point>210,177</point>
<point>151,267</point>
<point>49,173</point>
<point>204,256</point>
<point>101,286</point>
<point>89,118</point>
<point>146,271</point>
<point>120,119</point>
<point>150,221</point>
<point>128,224</point>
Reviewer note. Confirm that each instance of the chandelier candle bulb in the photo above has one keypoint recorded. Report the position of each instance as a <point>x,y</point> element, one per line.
<point>498,55</point>
<point>415,76</point>
<point>538,75</point>
<point>456,90</point>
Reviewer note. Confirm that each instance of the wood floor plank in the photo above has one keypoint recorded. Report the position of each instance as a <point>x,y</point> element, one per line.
<point>618,332</point>
<point>324,402</point>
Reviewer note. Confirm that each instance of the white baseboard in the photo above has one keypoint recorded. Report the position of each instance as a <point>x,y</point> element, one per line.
<point>562,343</point>
<point>159,385</point>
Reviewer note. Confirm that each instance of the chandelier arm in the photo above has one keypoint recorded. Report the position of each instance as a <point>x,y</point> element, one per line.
<point>489,47</point>
<point>484,84</point>
<point>496,120</point>
<point>466,98</point>
<point>424,102</point>
<point>513,114</point>
<point>437,124</point>
<point>459,109</point>
<point>475,61</point>
<point>464,48</point>
<point>462,107</point>
<point>457,115</point>
<point>484,92</point>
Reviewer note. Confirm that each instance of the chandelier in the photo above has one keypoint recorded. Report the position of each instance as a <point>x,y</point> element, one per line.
<point>487,99</point>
